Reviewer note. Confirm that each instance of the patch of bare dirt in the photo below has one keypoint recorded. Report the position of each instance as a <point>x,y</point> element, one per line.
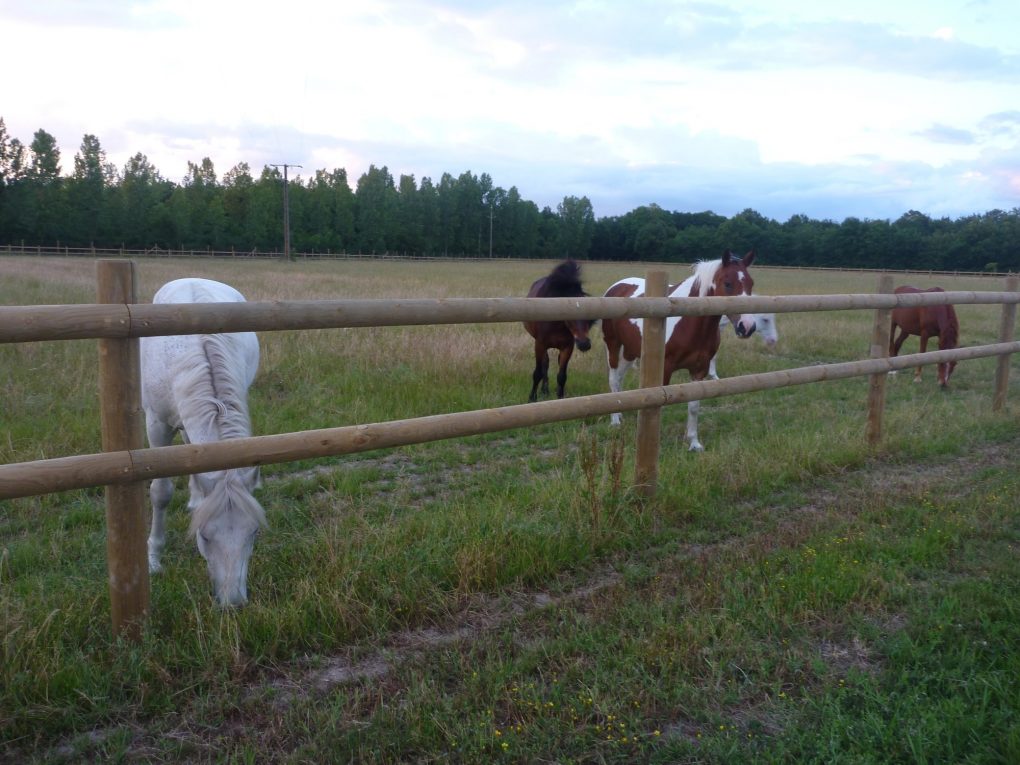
<point>483,615</point>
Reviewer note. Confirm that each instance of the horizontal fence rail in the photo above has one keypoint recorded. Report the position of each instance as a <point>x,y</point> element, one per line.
<point>83,471</point>
<point>19,324</point>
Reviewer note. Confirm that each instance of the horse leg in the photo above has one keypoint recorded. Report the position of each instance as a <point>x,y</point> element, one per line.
<point>616,375</point>
<point>693,407</point>
<point>539,373</point>
<point>160,492</point>
<point>895,345</point>
<point>711,369</point>
<point>924,347</point>
<point>195,491</point>
<point>561,375</point>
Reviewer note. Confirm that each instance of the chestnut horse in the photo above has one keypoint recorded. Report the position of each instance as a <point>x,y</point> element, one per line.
<point>927,321</point>
<point>691,341</point>
<point>564,281</point>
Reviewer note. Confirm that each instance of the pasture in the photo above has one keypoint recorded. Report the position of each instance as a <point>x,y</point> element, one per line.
<point>788,596</point>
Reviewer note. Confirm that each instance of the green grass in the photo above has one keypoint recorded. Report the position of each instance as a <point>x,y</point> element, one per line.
<point>789,596</point>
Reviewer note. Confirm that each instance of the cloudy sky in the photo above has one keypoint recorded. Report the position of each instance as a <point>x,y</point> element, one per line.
<point>867,108</point>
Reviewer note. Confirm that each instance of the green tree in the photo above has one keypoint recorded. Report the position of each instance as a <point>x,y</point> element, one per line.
<point>449,219</point>
<point>45,165</point>
<point>470,192</point>
<point>522,223</point>
<point>410,224</point>
<point>428,198</point>
<point>267,211</point>
<point>199,213</point>
<point>44,214</point>
<point>142,206</point>
<point>376,210</point>
<point>87,192</point>
<point>238,187</point>
<point>577,227</point>
<point>5,156</point>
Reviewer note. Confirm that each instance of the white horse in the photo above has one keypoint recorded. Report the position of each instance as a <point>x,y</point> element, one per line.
<point>198,384</point>
<point>765,324</point>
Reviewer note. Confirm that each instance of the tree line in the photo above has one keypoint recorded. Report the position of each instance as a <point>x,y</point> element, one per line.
<point>98,204</point>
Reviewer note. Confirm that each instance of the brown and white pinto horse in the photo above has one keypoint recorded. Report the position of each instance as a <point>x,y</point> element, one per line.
<point>564,281</point>
<point>927,321</point>
<point>691,341</point>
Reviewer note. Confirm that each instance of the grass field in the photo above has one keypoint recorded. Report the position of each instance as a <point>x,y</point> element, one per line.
<point>790,596</point>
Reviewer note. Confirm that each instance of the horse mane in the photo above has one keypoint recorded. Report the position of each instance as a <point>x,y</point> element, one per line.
<point>208,388</point>
<point>704,273</point>
<point>565,281</point>
<point>231,492</point>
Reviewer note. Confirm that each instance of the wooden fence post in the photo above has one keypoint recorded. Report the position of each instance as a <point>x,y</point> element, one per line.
<point>879,349</point>
<point>653,350</point>
<point>1006,329</point>
<point>122,421</point>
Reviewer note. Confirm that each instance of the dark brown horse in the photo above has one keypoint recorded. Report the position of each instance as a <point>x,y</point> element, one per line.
<point>691,341</point>
<point>564,281</point>
<point>926,321</point>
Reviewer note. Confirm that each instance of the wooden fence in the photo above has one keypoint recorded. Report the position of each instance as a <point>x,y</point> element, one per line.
<point>124,466</point>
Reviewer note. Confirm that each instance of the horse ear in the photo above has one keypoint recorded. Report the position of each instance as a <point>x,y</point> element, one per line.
<point>748,259</point>
<point>726,256</point>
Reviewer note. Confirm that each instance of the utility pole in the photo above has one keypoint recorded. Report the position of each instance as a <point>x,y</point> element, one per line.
<point>490,230</point>
<point>286,211</point>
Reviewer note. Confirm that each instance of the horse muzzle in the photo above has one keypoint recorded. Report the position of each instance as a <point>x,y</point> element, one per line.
<point>582,343</point>
<point>744,328</point>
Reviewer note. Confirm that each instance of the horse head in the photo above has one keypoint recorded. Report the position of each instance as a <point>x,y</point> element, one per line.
<point>565,281</point>
<point>579,329</point>
<point>766,326</point>
<point>945,371</point>
<point>732,278</point>
<point>225,523</point>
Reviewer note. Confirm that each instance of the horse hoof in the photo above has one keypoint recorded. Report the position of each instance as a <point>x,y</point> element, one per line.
<point>696,447</point>
<point>155,567</point>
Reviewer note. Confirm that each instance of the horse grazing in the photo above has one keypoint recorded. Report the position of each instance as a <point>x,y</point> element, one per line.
<point>564,281</point>
<point>927,321</point>
<point>691,341</point>
<point>198,384</point>
<point>765,326</point>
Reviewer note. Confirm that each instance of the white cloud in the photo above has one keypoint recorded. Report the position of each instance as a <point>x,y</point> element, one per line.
<point>787,107</point>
